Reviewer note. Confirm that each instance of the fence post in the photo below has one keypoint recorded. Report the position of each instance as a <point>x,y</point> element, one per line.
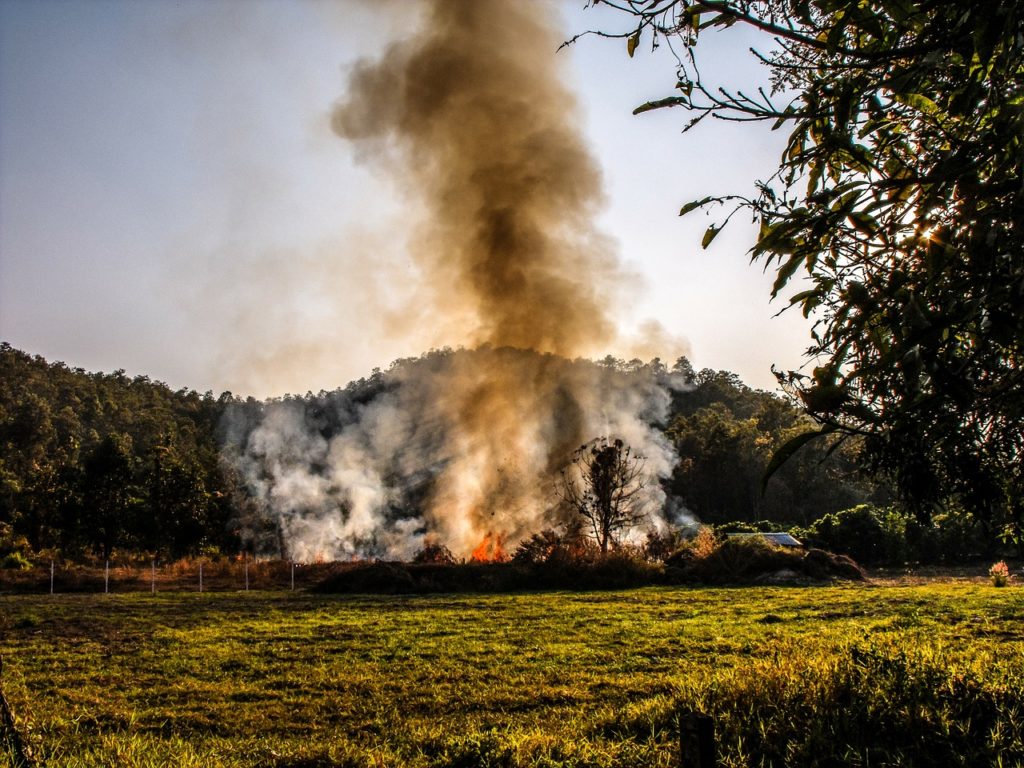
<point>51,577</point>
<point>293,575</point>
<point>200,577</point>
<point>696,740</point>
<point>246,558</point>
<point>106,579</point>
<point>152,577</point>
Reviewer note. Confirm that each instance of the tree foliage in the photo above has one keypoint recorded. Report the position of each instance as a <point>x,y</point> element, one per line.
<point>899,200</point>
<point>90,462</point>
<point>725,435</point>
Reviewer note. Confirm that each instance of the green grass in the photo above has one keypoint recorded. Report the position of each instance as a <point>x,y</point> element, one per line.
<point>826,676</point>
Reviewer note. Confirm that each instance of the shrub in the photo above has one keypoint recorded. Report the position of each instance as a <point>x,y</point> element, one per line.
<point>435,554</point>
<point>660,546</point>
<point>1000,574</point>
<point>952,536</point>
<point>879,535</point>
<point>710,559</point>
<point>856,532</point>
<point>11,542</point>
<point>698,547</point>
<point>15,561</point>
<point>539,548</point>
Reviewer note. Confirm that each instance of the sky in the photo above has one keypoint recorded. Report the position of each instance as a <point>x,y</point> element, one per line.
<point>174,203</point>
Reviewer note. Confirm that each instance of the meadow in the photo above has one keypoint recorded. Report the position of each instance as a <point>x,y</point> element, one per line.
<point>859,675</point>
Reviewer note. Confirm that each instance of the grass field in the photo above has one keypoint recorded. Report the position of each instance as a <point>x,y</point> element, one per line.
<point>929,675</point>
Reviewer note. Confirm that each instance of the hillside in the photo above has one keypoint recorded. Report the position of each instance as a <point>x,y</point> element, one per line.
<point>96,463</point>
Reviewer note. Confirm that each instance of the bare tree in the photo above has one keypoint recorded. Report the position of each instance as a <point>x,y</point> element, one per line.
<point>604,484</point>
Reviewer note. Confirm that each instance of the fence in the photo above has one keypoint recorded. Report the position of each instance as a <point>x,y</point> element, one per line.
<point>223,575</point>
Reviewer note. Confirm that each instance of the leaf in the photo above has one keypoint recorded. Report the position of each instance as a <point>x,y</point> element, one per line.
<point>918,101</point>
<point>787,449</point>
<point>671,101</point>
<point>709,235</point>
<point>785,272</point>
<point>721,20</point>
<point>694,205</point>
<point>803,296</point>
<point>864,222</point>
<point>632,43</point>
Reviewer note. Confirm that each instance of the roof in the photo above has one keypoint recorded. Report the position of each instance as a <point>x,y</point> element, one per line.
<point>778,538</point>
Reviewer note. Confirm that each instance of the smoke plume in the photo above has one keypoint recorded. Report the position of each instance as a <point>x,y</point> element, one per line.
<point>472,122</point>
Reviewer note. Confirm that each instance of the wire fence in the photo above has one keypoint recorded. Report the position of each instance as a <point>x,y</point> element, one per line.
<point>199,575</point>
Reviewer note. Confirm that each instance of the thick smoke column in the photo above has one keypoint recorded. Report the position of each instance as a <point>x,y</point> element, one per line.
<point>470,119</point>
<point>486,135</point>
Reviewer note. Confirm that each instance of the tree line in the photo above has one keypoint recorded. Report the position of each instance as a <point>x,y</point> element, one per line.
<point>93,463</point>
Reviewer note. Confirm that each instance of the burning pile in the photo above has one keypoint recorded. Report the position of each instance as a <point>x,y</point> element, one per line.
<point>490,550</point>
<point>470,116</point>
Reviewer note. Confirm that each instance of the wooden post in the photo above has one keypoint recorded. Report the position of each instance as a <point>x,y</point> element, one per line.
<point>696,740</point>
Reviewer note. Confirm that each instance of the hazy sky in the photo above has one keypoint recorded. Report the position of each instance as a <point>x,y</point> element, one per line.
<point>174,203</point>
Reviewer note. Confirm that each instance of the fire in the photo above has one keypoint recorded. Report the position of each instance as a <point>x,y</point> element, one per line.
<point>490,550</point>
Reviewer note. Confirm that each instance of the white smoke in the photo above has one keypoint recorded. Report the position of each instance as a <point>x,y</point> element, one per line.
<point>447,448</point>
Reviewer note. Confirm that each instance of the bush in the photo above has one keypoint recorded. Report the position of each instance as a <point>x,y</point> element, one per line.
<point>711,559</point>
<point>619,569</point>
<point>1000,574</point>
<point>15,561</point>
<point>660,546</point>
<point>436,554</point>
<point>10,542</point>
<point>857,532</point>
<point>952,536</point>
<point>539,548</point>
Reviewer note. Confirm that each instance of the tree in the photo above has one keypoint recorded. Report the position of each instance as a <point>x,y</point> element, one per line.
<point>108,494</point>
<point>899,198</point>
<point>176,520</point>
<point>604,485</point>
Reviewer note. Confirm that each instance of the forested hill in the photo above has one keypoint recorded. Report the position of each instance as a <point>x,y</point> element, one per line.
<point>92,462</point>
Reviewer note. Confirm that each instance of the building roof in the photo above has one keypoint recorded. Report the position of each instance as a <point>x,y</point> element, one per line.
<point>778,538</point>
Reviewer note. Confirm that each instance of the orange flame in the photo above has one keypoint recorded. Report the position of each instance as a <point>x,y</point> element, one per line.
<point>490,550</point>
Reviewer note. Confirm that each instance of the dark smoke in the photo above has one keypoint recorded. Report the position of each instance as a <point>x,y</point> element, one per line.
<point>471,115</point>
<point>472,122</point>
